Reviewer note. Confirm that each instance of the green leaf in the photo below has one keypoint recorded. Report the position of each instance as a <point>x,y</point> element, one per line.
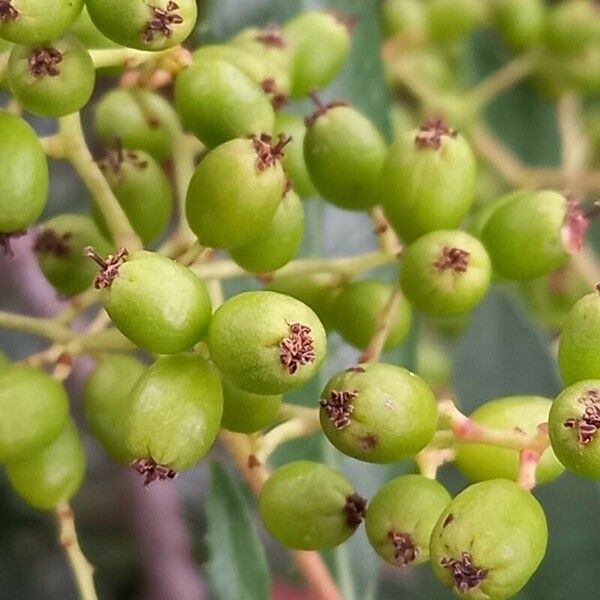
<point>237,567</point>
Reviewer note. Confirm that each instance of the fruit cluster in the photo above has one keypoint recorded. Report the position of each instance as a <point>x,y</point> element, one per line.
<point>241,168</point>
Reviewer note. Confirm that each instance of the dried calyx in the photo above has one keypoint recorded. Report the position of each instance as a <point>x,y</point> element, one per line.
<point>5,242</point>
<point>267,153</point>
<point>44,62</point>
<point>339,407</point>
<point>454,259</point>
<point>355,510</point>
<point>277,97</point>
<point>151,471</point>
<point>8,11</point>
<point>114,159</point>
<point>574,227</point>
<point>322,108</point>
<point>272,35</point>
<point>49,241</point>
<point>405,549</point>
<point>297,348</point>
<point>466,575</point>
<point>588,424</point>
<point>432,132</point>
<point>109,267</point>
<point>162,21</point>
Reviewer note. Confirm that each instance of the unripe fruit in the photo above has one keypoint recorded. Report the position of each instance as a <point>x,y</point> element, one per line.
<point>479,462</point>
<point>174,414</point>
<point>571,25</point>
<point>403,17</point>
<point>157,303</point>
<point>106,398</point>
<point>279,243</point>
<point>445,273</point>
<point>52,80</point>
<point>235,192</point>
<point>530,234</point>
<point>320,44</point>
<point>489,541</point>
<point>139,24</point>
<point>578,356</point>
<point>434,365</point>
<point>23,175</point>
<point>344,154</point>
<point>401,517</point>
<point>378,413</point>
<point>59,247</point>
<point>245,412</point>
<point>35,21</point>
<point>309,506</point>
<point>252,66</point>
<point>142,189</point>
<point>88,34</point>
<point>50,475</point>
<point>266,343</point>
<point>428,180</point>
<point>217,102</point>
<point>137,119</point>
<point>356,309</point>
<point>34,409</point>
<point>574,422</point>
<point>519,22</point>
<point>451,20</point>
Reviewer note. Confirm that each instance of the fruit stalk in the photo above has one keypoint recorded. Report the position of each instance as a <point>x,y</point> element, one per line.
<point>37,326</point>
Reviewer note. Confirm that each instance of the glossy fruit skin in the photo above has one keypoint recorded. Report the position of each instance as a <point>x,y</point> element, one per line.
<point>140,119</point>
<point>583,459</point>
<point>174,412</point>
<point>355,310</point>
<point>320,45</point>
<point>393,413</point>
<point>444,291</point>
<point>126,22</point>
<point>34,410</point>
<point>230,200</point>
<point>403,17</point>
<point>523,234</point>
<point>302,506</point>
<point>143,191</point>
<point>570,26</point>
<point>451,20</point>
<point>278,244</point>
<point>158,304</point>
<point>520,22</point>
<point>479,462</point>
<point>578,356</point>
<point>59,249</point>
<point>424,189</point>
<point>344,154</point>
<point>106,401</point>
<point>249,64</point>
<point>244,412</point>
<point>88,34</point>
<point>53,474</point>
<point>39,21</point>
<point>293,163</point>
<point>409,505</point>
<point>50,95</point>
<point>245,341</point>
<point>23,174</point>
<point>502,527</point>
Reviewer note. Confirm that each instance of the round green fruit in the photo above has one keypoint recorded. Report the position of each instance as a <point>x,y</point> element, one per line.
<point>88,34</point>
<point>309,506</point>
<point>520,22</point>
<point>451,20</point>
<point>378,413</point>
<point>252,66</point>
<point>401,517</point>
<point>356,309</point>
<point>403,17</point>
<point>344,154</point>
<point>480,462</point>
<point>266,343</point>
<point>52,475</point>
<point>106,401</point>
<point>434,364</point>
<point>428,180</point>
<point>570,26</point>
<point>489,541</point>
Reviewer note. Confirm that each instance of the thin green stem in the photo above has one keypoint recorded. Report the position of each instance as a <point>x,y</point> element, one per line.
<point>45,328</point>
<point>122,56</point>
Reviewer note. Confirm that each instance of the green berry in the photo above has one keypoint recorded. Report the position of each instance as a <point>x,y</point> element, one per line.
<point>245,412</point>
<point>157,303</point>
<point>278,244</point>
<point>142,189</point>
<point>378,413</point>
<point>356,309</point>
<point>434,365</point>
<point>479,462</point>
<point>403,17</point>
<point>23,175</point>
<point>428,180</point>
<point>144,25</point>
<point>451,20</point>
<point>50,475</point>
<point>59,247</point>
<point>235,192</point>
<point>520,22</point>
<point>137,119</point>
<point>309,506</point>
<point>249,64</point>
<point>266,343</point>
<point>37,21</point>
<point>489,541</point>
<point>401,517</point>
<point>34,409</point>
<point>52,80</point>
<point>88,34</point>
<point>321,44</point>
<point>530,234</point>
<point>174,414</point>
<point>106,397</point>
<point>344,154</point>
<point>570,26</point>
<point>445,273</point>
